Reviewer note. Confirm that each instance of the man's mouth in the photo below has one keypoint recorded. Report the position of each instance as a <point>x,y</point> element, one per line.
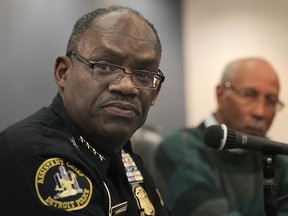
<point>253,131</point>
<point>121,108</point>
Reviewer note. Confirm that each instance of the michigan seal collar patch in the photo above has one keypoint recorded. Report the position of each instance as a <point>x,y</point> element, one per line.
<point>61,185</point>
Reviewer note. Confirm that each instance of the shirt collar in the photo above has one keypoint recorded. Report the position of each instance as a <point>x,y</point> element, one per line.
<point>210,120</point>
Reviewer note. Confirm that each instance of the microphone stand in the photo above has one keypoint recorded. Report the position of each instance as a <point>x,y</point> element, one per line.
<point>270,194</point>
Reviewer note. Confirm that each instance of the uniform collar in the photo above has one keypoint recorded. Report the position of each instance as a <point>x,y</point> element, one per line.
<point>58,107</point>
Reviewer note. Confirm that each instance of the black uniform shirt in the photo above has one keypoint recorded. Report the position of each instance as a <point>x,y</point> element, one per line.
<point>47,170</point>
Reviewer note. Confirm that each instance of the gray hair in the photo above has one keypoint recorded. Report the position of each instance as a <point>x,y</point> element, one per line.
<point>233,65</point>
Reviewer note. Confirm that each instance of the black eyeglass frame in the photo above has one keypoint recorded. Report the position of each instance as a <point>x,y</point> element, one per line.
<point>92,64</point>
<point>279,105</point>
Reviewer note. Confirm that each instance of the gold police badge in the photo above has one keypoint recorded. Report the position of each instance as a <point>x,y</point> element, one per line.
<point>147,209</point>
<point>60,184</point>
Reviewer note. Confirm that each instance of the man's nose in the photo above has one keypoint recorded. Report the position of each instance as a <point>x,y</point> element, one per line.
<point>125,85</point>
<point>259,106</point>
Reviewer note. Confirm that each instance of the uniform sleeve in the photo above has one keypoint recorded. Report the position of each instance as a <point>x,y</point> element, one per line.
<point>192,188</point>
<point>31,185</point>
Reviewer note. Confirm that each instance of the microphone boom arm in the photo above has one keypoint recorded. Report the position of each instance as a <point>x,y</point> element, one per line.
<point>269,187</point>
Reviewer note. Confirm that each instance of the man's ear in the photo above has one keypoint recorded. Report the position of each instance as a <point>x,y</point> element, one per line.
<point>220,90</point>
<point>61,69</point>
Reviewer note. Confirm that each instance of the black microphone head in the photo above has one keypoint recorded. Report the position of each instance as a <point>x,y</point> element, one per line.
<point>213,136</point>
<point>220,137</point>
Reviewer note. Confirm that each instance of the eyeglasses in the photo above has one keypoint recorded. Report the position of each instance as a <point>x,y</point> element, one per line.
<point>251,96</point>
<point>110,73</point>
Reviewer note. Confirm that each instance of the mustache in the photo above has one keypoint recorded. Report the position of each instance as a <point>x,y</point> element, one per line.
<point>123,98</point>
<point>256,124</point>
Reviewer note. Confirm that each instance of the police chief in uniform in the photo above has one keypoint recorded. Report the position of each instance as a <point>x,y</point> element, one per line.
<point>74,157</point>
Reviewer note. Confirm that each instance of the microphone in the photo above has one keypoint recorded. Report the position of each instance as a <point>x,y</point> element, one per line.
<point>221,137</point>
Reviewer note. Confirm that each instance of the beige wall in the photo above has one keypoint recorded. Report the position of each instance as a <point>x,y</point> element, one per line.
<point>216,32</point>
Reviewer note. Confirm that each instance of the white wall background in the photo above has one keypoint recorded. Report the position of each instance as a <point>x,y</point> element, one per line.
<point>215,32</point>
